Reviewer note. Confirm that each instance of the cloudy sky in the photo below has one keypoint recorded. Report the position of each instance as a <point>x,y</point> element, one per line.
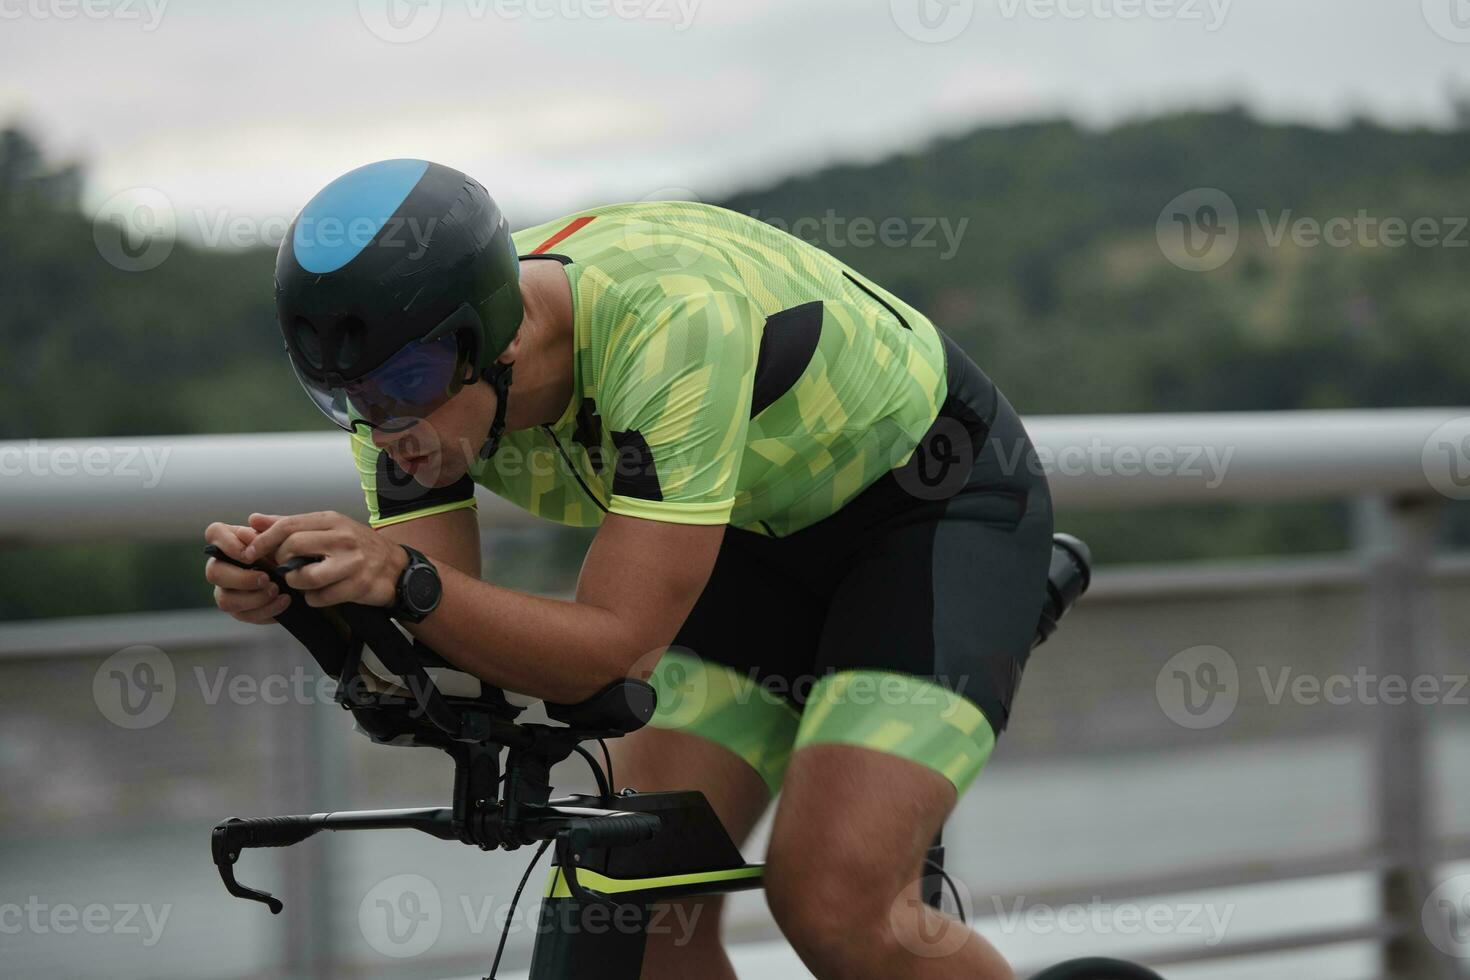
<point>245,108</point>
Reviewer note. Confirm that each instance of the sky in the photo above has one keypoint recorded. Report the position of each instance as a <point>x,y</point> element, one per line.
<point>242,110</point>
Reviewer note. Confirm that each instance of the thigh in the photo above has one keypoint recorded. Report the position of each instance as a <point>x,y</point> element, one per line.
<point>931,625</point>
<point>727,677</point>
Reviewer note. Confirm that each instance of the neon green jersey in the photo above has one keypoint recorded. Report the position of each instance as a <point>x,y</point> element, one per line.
<point>724,372</point>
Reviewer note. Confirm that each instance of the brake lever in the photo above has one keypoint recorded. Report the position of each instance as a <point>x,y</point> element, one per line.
<point>225,857</point>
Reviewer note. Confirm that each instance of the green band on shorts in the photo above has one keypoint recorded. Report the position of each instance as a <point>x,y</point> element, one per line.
<point>728,708</point>
<point>902,715</point>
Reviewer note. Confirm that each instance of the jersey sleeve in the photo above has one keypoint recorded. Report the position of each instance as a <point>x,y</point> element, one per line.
<point>676,403</point>
<point>393,496</point>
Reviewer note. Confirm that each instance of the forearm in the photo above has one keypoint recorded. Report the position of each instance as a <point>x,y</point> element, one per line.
<point>558,650</point>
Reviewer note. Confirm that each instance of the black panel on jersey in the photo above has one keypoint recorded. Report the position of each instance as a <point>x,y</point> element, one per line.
<point>787,346</point>
<point>399,493</point>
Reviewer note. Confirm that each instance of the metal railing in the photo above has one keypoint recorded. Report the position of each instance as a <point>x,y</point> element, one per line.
<point>1384,460</point>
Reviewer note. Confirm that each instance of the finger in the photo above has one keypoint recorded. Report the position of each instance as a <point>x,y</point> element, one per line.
<point>228,576</point>
<point>260,522</point>
<point>265,614</point>
<point>225,537</point>
<point>270,539</point>
<point>306,543</point>
<point>321,574</point>
<point>243,600</point>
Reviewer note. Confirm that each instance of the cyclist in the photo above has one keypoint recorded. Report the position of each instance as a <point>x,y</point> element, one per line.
<point>821,528</point>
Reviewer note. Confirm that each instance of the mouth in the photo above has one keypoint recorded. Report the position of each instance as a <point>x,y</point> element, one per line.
<point>411,464</point>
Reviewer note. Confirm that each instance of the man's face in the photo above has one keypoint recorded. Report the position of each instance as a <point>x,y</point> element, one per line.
<point>439,448</point>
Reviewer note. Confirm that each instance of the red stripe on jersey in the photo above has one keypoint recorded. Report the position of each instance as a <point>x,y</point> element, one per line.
<point>574,226</point>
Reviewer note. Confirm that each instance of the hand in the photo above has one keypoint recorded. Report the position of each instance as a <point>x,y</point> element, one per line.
<point>358,564</point>
<point>247,595</point>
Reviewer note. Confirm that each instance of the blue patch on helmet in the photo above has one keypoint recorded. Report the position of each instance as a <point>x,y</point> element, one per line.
<point>347,214</point>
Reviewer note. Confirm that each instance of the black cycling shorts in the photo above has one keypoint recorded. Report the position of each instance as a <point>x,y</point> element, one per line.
<point>901,623</point>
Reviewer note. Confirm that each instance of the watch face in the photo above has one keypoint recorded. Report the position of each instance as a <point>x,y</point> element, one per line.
<point>421,590</point>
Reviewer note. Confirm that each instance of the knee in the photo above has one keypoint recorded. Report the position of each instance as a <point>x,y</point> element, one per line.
<point>834,914</point>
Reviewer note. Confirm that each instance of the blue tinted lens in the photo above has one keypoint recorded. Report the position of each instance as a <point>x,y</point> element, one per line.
<point>411,383</point>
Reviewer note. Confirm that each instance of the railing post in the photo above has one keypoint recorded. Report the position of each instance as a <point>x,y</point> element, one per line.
<point>1396,538</point>
<point>305,774</point>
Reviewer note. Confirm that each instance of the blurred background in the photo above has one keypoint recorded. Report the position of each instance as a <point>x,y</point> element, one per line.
<point>1226,236</point>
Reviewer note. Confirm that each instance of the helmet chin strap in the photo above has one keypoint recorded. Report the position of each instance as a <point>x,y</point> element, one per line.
<point>499,376</point>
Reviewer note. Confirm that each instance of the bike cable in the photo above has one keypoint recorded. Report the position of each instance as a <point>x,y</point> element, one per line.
<point>958,905</point>
<point>604,788</point>
<point>612,785</point>
<point>515,899</point>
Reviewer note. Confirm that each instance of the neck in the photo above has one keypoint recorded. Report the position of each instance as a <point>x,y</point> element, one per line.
<point>543,359</point>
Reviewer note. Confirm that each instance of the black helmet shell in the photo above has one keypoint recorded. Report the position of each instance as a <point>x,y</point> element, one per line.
<point>390,253</point>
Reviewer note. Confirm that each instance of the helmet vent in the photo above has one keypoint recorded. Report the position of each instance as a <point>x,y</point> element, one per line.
<point>308,344</point>
<point>349,342</point>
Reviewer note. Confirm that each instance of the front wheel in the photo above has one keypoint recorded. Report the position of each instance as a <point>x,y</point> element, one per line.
<point>1097,968</point>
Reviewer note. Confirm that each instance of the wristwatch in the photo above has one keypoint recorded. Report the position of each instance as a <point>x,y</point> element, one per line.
<point>419,590</point>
